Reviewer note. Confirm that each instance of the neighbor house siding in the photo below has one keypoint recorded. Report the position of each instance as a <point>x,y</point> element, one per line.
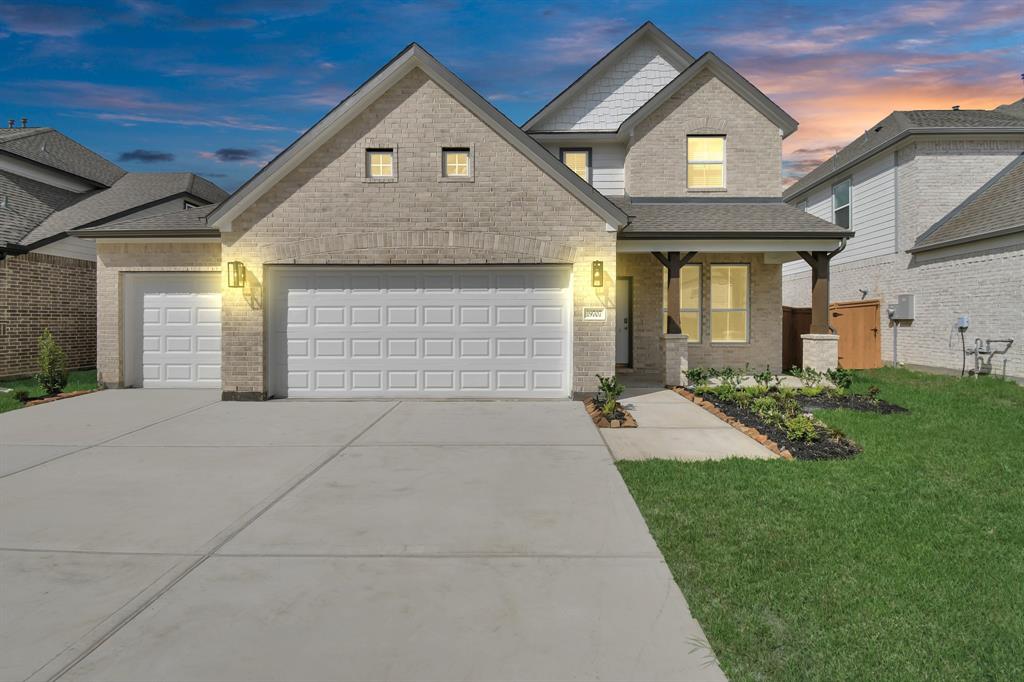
<point>40,291</point>
<point>983,280</point>
<point>115,259</point>
<point>323,212</point>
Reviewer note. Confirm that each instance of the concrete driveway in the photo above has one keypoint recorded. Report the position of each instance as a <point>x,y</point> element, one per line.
<point>158,535</point>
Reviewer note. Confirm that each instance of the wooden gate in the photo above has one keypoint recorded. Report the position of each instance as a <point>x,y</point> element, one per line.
<point>856,322</point>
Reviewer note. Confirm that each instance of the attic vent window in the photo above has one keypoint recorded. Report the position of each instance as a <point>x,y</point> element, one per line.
<point>380,163</point>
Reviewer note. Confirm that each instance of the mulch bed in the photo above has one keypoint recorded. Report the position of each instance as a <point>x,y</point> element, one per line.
<point>620,419</point>
<point>828,446</point>
<point>59,396</point>
<point>827,401</point>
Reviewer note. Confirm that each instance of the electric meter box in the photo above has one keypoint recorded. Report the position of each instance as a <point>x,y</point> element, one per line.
<point>903,309</point>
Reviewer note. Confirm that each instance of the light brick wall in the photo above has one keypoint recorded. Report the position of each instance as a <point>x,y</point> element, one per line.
<point>656,159</point>
<point>324,212</point>
<point>765,345</point>
<point>985,281</point>
<point>115,259</point>
<point>40,291</point>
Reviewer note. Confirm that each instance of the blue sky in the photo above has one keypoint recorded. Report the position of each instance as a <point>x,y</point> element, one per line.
<point>220,87</point>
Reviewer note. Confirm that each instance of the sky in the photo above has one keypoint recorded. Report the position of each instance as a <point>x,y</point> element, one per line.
<point>219,88</point>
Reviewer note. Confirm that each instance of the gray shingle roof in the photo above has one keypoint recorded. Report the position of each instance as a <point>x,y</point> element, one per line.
<point>708,218</point>
<point>131,192</point>
<point>901,123</point>
<point>27,203</point>
<point>49,147</point>
<point>996,208</point>
<point>192,220</point>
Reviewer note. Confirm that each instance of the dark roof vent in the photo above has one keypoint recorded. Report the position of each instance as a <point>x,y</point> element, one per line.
<point>10,123</point>
<point>24,122</point>
<point>956,107</point>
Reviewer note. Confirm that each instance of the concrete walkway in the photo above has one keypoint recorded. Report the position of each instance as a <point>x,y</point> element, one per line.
<point>164,535</point>
<point>671,427</point>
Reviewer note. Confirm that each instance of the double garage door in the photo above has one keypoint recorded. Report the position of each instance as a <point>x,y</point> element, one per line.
<point>366,332</point>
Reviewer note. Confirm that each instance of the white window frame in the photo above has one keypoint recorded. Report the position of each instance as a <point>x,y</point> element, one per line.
<point>712,309</point>
<point>848,205</point>
<point>383,149</point>
<point>725,180</point>
<point>470,163</point>
<point>590,159</point>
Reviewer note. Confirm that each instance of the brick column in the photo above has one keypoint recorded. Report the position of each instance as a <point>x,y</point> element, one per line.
<point>674,349</point>
<point>821,351</point>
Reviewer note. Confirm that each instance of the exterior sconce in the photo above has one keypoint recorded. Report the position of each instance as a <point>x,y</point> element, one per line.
<point>597,274</point>
<point>236,274</point>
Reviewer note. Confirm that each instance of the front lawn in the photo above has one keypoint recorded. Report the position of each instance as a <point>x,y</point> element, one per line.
<point>78,380</point>
<point>904,562</point>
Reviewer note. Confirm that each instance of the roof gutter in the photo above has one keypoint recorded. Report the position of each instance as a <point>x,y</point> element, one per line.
<point>733,234</point>
<point>966,240</point>
<point>166,234</point>
<point>790,195</point>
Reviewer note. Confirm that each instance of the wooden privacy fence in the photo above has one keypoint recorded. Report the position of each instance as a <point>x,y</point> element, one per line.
<point>858,324</point>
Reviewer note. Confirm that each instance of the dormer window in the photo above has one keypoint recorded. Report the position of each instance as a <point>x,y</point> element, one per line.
<point>705,161</point>
<point>380,163</point>
<point>578,161</point>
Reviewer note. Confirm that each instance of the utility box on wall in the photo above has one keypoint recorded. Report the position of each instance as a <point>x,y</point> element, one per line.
<point>903,309</point>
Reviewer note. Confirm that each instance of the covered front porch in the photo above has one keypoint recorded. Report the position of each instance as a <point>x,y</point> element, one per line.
<point>713,297</point>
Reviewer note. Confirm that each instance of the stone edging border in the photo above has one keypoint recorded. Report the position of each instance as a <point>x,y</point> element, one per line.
<point>603,422</point>
<point>59,396</point>
<point>735,423</point>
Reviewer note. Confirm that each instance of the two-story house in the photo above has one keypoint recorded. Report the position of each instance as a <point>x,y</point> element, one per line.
<point>50,187</point>
<point>415,242</point>
<point>936,198</point>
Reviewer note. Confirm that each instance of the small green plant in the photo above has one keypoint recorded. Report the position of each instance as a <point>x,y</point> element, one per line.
<point>608,392</point>
<point>873,392</point>
<point>801,428</point>
<point>53,365</point>
<point>810,377</point>
<point>811,391</point>
<point>698,376</point>
<point>841,378</point>
<point>756,391</point>
<point>766,379</point>
<point>21,395</point>
<point>730,377</point>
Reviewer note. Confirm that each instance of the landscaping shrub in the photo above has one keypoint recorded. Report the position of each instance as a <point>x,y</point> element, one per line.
<point>698,376</point>
<point>801,428</point>
<point>842,378</point>
<point>766,379</point>
<point>21,395</point>
<point>608,392</point>
<point>53,365</point>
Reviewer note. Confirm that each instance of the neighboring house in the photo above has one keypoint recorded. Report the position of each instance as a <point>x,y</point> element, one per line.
<point>50,188</point>
<point>415,242</point>
<point>937,202</point>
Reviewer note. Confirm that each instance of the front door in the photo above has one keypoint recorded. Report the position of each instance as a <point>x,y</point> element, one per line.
<point>623,321</point>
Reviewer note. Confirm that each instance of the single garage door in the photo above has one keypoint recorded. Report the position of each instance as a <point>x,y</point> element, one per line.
<point>423,331</point>
<point>172,330</point>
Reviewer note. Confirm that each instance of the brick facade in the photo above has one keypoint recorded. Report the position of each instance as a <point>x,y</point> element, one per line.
<point>39,291</point>
<point>765,345</point>
<point>114,259</point>
<point>324,212</point>
<point>656,158</point>
<point>982,280</point>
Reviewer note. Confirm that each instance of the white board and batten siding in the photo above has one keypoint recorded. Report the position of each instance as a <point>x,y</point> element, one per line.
<point>873,214</point>
<point>445,332</point>
<point>607,161</point>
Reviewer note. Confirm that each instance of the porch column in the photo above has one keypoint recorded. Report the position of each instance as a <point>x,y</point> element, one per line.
<point>821,345</point>
<point>673,341</point>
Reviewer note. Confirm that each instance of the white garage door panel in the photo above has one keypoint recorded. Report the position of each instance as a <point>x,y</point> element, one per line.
<point>346,332</point>
<point>173,331</point>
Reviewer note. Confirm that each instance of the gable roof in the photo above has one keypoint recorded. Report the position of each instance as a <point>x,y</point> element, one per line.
<point>731,78</point>
<point>181,223</point>
<point>672,51</point>
<point>995,209</point>
<point>901,124</point>
<point>133,192</point>
<point>26,203</point>
<point>413,56</point>
<point>52,148</point>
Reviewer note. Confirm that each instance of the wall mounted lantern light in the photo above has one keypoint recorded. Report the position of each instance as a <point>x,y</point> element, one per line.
<point>236,274</point>
<point>597,274</point>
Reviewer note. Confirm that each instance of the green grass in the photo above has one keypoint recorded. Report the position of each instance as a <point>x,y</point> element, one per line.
<point>78,380</point>
<point>906,562</point>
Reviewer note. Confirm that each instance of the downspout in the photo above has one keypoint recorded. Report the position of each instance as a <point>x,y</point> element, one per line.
<point>830,255</point>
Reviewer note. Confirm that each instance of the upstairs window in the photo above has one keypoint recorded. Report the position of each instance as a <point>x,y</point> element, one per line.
<point>578,161</point>
<point>730,303</point>
<point>380,163</point>
<point>456,163</point>
<point>705,161</point>
<point>841,203</point>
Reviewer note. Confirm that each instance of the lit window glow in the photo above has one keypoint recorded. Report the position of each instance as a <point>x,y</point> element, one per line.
<point>456,163</point>
<point>705,162</point>
<point>689,302</point>
<point>578,161</point>
<point>730,303</point>
<point>380,163</point>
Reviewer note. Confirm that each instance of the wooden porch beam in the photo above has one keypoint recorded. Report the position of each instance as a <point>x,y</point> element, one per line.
<point>819,262</point>
<point>661,258</point>
<point>674,262</point>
